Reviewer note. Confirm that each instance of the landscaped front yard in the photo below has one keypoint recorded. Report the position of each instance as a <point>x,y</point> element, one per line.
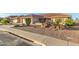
<point>71,35</point>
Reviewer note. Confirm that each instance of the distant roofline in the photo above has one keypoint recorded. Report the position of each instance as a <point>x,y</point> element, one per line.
<point>43,15</point>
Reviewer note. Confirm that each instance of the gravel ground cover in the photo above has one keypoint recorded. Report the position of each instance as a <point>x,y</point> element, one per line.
<point>70,35</point>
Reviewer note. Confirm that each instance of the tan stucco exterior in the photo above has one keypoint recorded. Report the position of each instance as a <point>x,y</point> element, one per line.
<point>62,19</point>
<point>35,18</point>
<point>15,20</point>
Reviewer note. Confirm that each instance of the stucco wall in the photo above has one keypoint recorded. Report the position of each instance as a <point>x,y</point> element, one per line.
<point>15,21</point>
<point>35,20</point>
<point>63,19</point>
<point>24,21</point>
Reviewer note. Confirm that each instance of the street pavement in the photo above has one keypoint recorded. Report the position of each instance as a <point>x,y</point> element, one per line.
<point>7,39</point>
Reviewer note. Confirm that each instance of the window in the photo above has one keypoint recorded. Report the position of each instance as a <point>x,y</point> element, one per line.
<point>42,20</point>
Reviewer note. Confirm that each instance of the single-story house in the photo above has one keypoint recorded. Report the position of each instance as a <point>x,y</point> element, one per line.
<point>35,18</point>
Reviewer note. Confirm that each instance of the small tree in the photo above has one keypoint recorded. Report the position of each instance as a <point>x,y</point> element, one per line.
<point>57,23</point>
<point>28,21</point>
<point>69,23</point>
<point>0,20</point>
<point>5,21</point>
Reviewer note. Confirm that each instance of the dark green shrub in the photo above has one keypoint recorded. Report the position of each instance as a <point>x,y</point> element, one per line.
<point>28,21</point>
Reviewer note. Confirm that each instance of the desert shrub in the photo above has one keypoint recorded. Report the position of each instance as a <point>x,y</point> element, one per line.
<point>5,21</point>
<point>28,21</point>
<point>69,23</point>
<point>56,23</point>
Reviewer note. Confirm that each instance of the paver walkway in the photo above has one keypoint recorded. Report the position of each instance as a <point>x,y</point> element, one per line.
<point>37,38</point>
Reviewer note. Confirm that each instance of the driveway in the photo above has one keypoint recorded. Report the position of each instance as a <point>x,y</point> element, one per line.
<point>7,39</point>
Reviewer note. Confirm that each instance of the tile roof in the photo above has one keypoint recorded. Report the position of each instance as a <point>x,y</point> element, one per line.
<point>34,15</point>
<point>55,14</point>
<point>43,15</point>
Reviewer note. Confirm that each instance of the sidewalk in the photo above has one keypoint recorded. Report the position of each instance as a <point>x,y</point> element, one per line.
<point>39,39</point>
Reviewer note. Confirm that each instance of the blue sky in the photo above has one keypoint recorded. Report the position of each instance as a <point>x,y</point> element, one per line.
<point>11,14</point>
<point>74,15</point>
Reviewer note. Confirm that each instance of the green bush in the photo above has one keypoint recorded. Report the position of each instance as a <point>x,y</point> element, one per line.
<point>5,21</point>
<point>69,23</point>
<point>28,21</point>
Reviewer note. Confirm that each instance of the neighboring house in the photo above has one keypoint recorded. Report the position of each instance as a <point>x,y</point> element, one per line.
<point>76,21</point>
<point>40,17</point>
